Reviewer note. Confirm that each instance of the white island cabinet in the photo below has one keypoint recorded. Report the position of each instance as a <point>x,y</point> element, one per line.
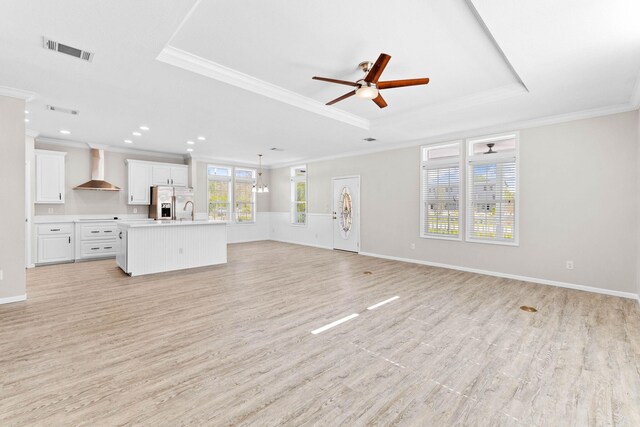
<point>157,246</point>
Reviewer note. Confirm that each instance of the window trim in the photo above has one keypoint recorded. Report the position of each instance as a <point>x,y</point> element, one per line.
<point>254,197</point>
<point>476,159</point>
<point>294,180</point>
<point>461,202</point>
<point>226,178</point>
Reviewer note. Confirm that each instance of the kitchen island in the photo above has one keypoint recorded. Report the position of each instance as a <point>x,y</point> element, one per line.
<point>148,247</point>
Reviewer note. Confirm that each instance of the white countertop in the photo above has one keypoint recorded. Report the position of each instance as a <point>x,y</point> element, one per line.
<point>167,223</point>
<point>47,219</point>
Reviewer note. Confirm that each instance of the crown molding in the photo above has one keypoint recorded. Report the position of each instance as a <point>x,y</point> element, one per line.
<point>17,93</point>
<point>109,148</point>
<point>196,64</point>
<point>474,132</point>
<point>223,161</point>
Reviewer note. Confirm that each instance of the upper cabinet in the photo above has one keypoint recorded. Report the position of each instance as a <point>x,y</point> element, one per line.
<point>167,174</point>
<point>139,182</point>
<point>50,176</point>
<point>143,175</point>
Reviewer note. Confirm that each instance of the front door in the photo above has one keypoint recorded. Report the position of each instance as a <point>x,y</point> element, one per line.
<point>346,214</point>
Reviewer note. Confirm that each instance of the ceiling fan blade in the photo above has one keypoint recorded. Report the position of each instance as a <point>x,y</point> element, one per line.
<point>380,102</point>
<point>376,71</point>
<point>345,96</point>
<point>342,82</point>
<point>401,83</point>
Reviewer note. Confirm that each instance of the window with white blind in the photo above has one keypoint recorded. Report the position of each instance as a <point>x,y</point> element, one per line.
<point>299,195</point>
<point>219,188</point>
<point>440,191</point>
<point>244,197</point>
<point>492,189</point>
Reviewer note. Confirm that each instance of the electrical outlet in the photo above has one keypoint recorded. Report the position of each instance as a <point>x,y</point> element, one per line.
<point>316,236</point>
<point>135,210</point>
<point>569,265</point>
<point>180,251</point>
<point>1,275</point>
<point>413,246</point>
<point>50,210</point>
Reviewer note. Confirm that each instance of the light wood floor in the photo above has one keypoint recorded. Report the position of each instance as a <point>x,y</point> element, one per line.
<point>231,345</point>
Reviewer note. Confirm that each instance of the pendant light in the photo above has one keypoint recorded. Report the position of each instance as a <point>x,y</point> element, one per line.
<point>259,186</point>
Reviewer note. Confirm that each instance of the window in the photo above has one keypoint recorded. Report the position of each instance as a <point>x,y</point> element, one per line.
<point>299,195</point>
<point>492,189</point>
<point>244,197</point>
<point>440,191</point>
<point>219,181</point>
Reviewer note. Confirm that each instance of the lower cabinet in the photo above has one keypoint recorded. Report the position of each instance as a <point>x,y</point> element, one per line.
<point>96,240</point>
<point>55,242</point>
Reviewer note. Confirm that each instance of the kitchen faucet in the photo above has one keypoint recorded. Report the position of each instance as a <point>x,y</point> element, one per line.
<point>192,209</point>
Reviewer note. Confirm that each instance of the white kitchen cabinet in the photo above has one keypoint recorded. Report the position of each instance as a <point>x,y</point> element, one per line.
<point>167,174</point>
<point>96,239</point>
<point>55,242</point>
<point>140,174</point>
<point>50,182</point>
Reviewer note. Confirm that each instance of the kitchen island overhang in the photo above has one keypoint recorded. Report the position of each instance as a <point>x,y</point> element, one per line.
<point>148,247</point>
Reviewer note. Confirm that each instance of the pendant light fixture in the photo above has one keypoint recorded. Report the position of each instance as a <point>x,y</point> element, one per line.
<point>259,186</point>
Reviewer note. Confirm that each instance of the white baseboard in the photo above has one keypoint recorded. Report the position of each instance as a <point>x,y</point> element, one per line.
<point>301,244</point>
<point>17,298</point>
<point>510,276</point>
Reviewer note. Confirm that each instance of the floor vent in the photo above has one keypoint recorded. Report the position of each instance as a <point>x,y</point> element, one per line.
<point>67,50</point>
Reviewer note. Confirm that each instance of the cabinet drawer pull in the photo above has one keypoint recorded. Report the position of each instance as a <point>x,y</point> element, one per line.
<point>69,239</point>
<point>94,249</point>
<point>108,247</point>
<point>108,231</point>
<point>95,231</point>
<point>59,196</point>
<point>55,229</point>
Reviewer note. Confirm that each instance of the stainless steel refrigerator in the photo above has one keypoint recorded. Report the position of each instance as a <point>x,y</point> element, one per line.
<point>171,203</point>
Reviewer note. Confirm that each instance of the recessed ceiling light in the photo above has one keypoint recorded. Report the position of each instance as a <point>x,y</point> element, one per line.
<point>189,149</point>
<point>65,132</point>
<point>128,141</point>
<point>137,134</point>
<point>201,138</point>
<point>26,120</point>
<point>144,127</point>
<point>26,111</point>
<point>190,142</point>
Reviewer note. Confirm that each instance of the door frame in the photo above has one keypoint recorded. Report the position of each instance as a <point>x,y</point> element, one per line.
<point>358,216</point>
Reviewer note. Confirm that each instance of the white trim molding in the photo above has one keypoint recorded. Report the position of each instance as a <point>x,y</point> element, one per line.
<point>199,65</point>
<point>17,93</point>
<point>16,298</point>
<point>508,276</point>
<point>110,148</point>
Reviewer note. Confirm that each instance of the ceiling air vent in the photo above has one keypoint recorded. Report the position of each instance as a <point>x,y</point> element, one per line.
<point>369,139</point>
<point>63,110</point>
<point>67,50</point>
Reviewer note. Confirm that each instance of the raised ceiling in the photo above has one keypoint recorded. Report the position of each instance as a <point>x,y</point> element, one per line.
<point>239,73</point>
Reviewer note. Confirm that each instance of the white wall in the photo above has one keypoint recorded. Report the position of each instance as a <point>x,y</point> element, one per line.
<point>578,202</point>
<point>12,192</point>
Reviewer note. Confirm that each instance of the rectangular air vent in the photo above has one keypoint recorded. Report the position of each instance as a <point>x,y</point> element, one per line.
<point>369,139</point>
<point>63,110</point>
<point>276,149</point>
<point>67,50</point>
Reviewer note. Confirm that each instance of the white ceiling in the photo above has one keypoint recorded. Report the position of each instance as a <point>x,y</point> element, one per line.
<point>246,81</point>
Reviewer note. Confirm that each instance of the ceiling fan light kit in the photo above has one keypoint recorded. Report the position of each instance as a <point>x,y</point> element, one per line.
<point>369,86</point>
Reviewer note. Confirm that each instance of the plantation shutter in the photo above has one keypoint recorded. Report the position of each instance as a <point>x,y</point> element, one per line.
<point>492,200</point>
<point>441,198</point>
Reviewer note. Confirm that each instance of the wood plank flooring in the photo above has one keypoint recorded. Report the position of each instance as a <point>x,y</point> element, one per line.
<point>232,345</point>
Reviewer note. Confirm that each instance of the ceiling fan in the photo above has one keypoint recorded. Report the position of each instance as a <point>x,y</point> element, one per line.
<point>369,86</point>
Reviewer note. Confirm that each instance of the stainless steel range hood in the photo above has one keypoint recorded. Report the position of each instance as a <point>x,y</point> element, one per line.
<point>97,174</point>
